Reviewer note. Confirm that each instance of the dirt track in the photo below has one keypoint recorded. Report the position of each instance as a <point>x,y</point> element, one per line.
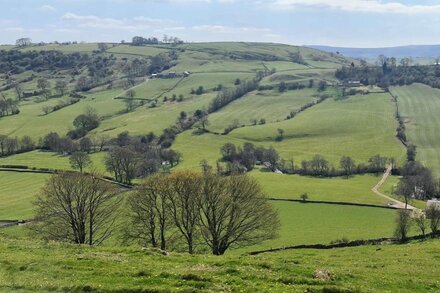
<point>393,202</point>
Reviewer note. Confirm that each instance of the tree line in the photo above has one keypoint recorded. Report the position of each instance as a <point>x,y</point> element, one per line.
<point>244,159</point>
<point>185,210</point>
<point>389,73</point>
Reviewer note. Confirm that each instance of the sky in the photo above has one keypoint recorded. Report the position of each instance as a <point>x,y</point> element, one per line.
<point>346,23</point>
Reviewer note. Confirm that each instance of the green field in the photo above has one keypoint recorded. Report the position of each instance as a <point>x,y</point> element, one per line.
<point>17,191</point>
<point>269,105</point>
<point>360,127</point>
<point>356,189</point>
<point>419,106</point>
<point>309,223</point>
<point>49,160</point>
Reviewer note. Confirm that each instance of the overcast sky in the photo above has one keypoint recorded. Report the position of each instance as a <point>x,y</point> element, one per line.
<point>350,23</point>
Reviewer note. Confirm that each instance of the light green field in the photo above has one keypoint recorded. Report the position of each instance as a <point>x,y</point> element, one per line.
<point>31,122</point>
<point>50,160</point>
<point>81,47</point>
<point>17,191</point>
<point>356,189</point>
<point>145,51</point>
<point>307,223</point>
<point>419,106</point>
<point>270,105</point>
<point>360,127</point>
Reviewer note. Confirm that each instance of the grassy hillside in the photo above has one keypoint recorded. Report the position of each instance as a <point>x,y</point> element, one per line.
<point>419,106</point>
<point>25,267</point>
<point>269,105</point>
<point>360,127</point>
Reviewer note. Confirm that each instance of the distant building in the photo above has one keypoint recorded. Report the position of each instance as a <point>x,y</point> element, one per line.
<point>353,83</point>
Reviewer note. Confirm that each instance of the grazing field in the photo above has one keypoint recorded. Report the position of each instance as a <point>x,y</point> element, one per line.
<point>32,122</point>
<point>359,126</point>
<point>50,160</point>
<point>419,106</point>
<point>26,267</point>
<point>310,223</point>
<point>17,191</point>
<point>269,105</point>
<point>356,189</point>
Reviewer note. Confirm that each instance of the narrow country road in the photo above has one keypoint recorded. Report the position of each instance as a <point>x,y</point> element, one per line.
<point>393,202</point>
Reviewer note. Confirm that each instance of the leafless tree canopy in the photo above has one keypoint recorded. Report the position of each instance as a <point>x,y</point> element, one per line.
<point>76,208</point>
<point>222,212</point>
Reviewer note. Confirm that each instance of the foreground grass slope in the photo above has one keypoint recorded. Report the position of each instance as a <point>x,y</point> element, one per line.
<point>419,106</point>
<point>25,267</point>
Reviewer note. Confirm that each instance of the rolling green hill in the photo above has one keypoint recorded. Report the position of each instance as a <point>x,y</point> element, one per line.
<point>419,106</point>
<point>325,122</point>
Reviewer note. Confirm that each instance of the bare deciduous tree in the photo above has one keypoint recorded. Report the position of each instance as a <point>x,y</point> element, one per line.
<point>151,217</point>
<point>184,203</point>
<point>226,211</point>
<point>235,213</point>
<point>76,208</point>
<point>80,160</point>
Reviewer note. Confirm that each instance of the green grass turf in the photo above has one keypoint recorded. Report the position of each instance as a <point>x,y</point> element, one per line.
<point>144,119</point>
<point>50,160</point>
<point>17,191</point>
<point>355,189</point>
<point>360,127</point>
<point>270,105</point>
<point>26,267</point>
<point>309,223</point>
<point>145,51</point>
<point>419,106</point>
<point>31,122</point>
<point>72,48</point>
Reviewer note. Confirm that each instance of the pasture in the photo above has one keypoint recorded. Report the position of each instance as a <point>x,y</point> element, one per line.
<point>355,189</point>
<point>309,223</point>
<point>50,160</point>
<point>359,126</point>
<point>419,106</point>
<point>17,192</point>
<point>269,105</point>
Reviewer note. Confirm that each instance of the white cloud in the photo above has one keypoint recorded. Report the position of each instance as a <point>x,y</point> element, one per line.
<point>229,29</point>
<point>136,23</point>
<point>374,6</point>
<point>48,8</point>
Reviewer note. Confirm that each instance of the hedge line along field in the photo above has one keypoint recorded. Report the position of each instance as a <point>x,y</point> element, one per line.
<point>359,126</point>
<point>17,192</point>
<point>419,106</point>
<point>25,267</point>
